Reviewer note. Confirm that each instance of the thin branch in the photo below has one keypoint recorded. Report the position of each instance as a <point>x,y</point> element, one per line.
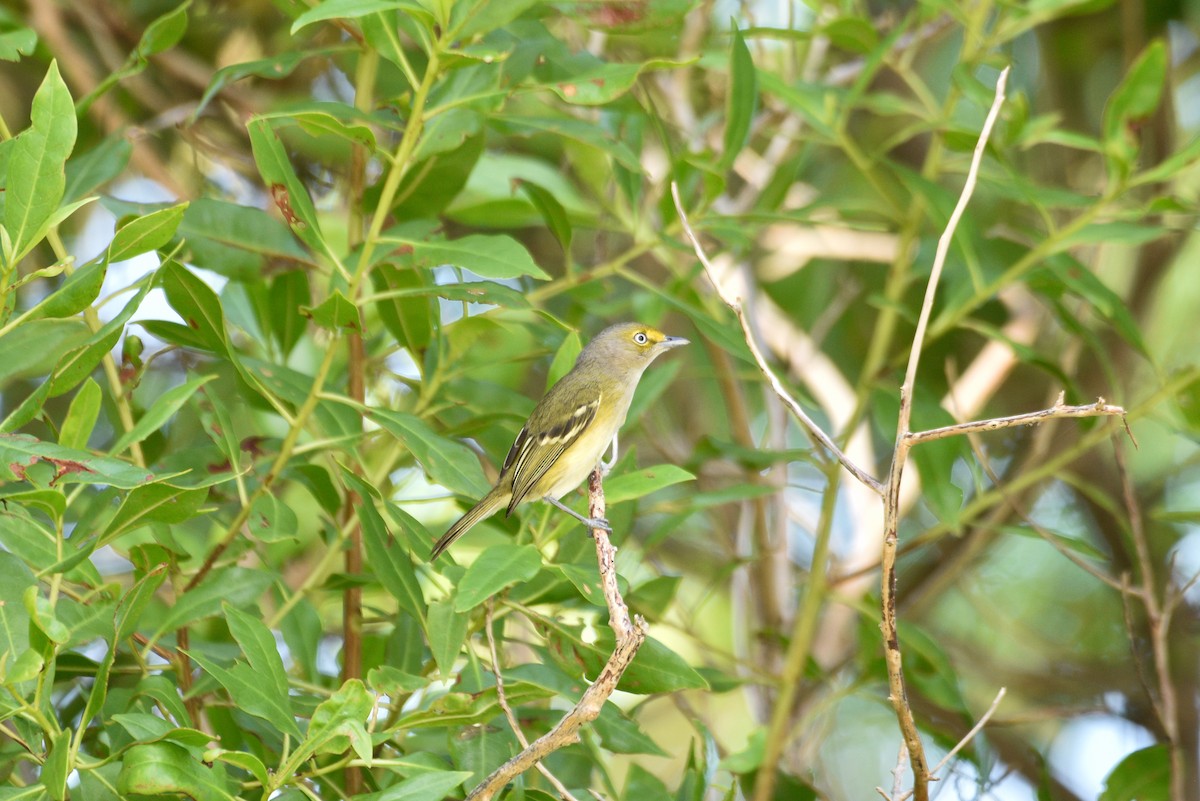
<point>974,731</point>
<point>1159,622</point>
<point>735,304</point>
<point>629,632</point>
<point>1097,409</point>
<point>502,698</point>
<point>898,694</point>
<point>943,250</point>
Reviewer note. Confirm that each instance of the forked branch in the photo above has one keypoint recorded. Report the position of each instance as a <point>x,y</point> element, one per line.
<point>629,632</point>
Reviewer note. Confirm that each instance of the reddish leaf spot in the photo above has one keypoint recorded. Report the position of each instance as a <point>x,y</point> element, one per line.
<point>613,14</point>
<point>599,82</point>
<point>568,89</point>
<point>191,321</point>
<point>252,445</point>
<point>220,467</point>
<point>283,200</point>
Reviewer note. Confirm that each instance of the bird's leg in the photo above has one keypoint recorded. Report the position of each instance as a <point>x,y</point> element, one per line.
<point>605,467</point>
<point>590,522</point>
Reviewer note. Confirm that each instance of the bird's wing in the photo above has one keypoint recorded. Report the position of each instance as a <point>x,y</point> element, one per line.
<point>539,446</point>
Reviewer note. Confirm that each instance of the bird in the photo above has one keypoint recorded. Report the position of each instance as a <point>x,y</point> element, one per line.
<point>570,429</point>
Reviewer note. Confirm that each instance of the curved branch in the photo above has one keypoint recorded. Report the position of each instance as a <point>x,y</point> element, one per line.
<point>629,632</point>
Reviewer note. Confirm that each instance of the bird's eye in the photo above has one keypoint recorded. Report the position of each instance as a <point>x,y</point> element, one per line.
<point>640,338</point>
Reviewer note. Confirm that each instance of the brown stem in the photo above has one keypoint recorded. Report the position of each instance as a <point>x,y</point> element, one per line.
<point>629,632</point>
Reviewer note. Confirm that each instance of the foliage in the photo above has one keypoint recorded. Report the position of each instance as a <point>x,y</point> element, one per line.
<point>231,430</point>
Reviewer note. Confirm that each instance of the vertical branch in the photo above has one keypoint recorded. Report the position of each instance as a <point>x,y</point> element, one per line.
<point>891,499</point>
<point>1158,621</point>
<point>364,100</point>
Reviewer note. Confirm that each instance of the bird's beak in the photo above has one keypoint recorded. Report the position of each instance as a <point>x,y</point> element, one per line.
<point>673,342</point>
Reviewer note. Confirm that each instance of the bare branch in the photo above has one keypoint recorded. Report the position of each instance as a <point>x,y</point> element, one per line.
<point>891,499</point>
<point>1097,409</point>
<point>735,304</point>
<point>502,698</point>
<point>629,632</point>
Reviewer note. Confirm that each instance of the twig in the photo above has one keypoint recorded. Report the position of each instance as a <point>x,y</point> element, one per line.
<point>629,632</point>
<point>1097,409</point>
<point>897,774</point>
<point>1158,620</point>
<point>735,304</point>
<point>974,730</point>
<point>502,698</point>
<point>898,694</point>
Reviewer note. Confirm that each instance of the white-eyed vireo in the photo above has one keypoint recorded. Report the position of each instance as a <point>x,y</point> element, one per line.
<point>572,426</point>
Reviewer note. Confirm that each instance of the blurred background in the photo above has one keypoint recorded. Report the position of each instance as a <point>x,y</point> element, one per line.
<point>819,148</point>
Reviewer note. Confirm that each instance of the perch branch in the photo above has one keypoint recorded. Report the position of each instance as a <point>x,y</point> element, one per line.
<point>735,304</point>
<point>502,697</point>
<point>891,641</point>
<point>1058,410</point>
<point>629,632</point>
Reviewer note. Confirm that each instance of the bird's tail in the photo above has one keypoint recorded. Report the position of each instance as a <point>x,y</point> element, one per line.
<point>487,505</point>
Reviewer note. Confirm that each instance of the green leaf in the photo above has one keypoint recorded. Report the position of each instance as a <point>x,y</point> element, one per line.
<point>449,463</point>
<point>79,362</point>
<point>36,177</point>
<point>288,192</point>
<point>486,16</point>
<point>564,358</point>
<point>81,416</point>
<point>164,408</point>
<point>30,349</point>
<point>552,213</point>
<point>408,318</point>
<point>17,43</point>
<point>258,644</point>
<point>338,721</point>
<point>244,760</point>
<point>165,767</point>
<point>446,632</point>
<point>657,669</point>
<point>272,520</point>
<point>235,240</point>
<point>1138,94</point>
<point>146,233</point>
<point>569,128</point>
<point>486,255</point>
<point>153,503</point>
<point>431,786</point>
<point>76,293</point>
<point>255,687</point>
<point>289,292</point>
<point>337,312</point>
<point>58,765</point>
<point>20,452</point>
<point>630,486</point>
<point>332,119</point>
<point>349,9</point>
<point>1144,775</point>
<point>606,82</point>
<point>741,103</point>
<point>622,735</point>
<point>165,32</point>
<point>42,615</point>
<point>389,561</point>
<point>499,566</point>
<point>855,34</point>
<point>134,603</point>
<point>235,585</point>
<point>87,172</point>
<point>277,67</point>
<point>197,304</point>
